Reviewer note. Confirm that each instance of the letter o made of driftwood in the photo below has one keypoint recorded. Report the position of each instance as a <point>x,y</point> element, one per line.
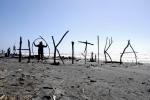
<point>37,40</point>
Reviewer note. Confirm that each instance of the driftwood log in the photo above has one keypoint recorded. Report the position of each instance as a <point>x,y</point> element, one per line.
<point>98,47</point>
<point>72,52</point>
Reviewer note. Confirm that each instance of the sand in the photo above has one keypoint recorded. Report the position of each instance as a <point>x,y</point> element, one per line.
<point>91,81</point>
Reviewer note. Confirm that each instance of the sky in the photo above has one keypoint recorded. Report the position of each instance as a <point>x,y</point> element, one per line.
<point>85,19</point>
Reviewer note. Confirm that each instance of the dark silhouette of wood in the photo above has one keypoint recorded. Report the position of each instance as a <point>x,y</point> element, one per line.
<point>20,50</point>
<point>20,46</point>
<point>98,47</point>
<point>107,46</point>
<point>128,45</point>
<point>95,58</point>
<point>72,52</point>
<point>92,59</point>
<point>29,51</point>
<point>56,50</point>
<point>85,51</point>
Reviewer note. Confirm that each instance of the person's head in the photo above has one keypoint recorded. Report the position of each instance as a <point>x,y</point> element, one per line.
<point>41,43</point>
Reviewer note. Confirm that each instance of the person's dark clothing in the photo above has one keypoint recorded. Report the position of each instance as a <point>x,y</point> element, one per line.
<point>40,50</point>
<point>8,52</point>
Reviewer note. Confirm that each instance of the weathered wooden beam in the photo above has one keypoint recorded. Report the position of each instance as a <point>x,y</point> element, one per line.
<point>98,47</point>
<point>20,46</point>
<point>29,51</point>
<point>72,52</point>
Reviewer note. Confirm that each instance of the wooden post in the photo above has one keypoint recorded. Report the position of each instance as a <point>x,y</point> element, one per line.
<point>20,46</point>
<point>29,52</point>
<point>54,50</point>
<point>72,52</point>
<point>98,47</point>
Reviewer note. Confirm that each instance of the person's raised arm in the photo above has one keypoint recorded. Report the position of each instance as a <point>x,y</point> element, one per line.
<point>45,45</point>
<point>35,44</point>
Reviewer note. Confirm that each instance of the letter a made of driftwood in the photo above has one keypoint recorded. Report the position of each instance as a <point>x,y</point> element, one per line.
<point>85,51</point>
<point>40,38</point>
<point>107,46</point>
<point>56,50</point>
<point>128,45</point>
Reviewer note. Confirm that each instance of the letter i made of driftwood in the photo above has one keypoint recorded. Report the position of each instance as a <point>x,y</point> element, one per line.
<point>72,52</point>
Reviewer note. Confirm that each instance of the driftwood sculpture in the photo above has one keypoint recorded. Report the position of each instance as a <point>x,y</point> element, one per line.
<point>72,52</point>
<point>40,38</point>
<point>85,51</point>
<point>128,45</point>
<point>20,50</point>
<point>107,46</point>
<point>56,50</point>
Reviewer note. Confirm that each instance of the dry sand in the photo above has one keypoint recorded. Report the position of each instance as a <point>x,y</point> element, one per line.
<point>43,81</point>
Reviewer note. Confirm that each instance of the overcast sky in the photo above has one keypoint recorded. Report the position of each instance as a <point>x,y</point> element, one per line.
<point>85,19</point>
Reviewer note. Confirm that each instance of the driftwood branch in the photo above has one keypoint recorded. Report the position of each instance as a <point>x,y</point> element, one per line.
<point>20,46</point>
<point>29,57</point>
<point>72,52</point>
<point>98,47</point>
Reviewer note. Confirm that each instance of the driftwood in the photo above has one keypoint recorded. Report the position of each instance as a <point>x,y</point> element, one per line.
<point>128,45</point>
<point>20,50</point>
<point>56,50</point>
<point>20,46</point>
<point>29,51</point>
<point>107,46</point>
<point>98,48</point>
<point>72,52</point>
<point>85,51</point>
<point>92,59</point>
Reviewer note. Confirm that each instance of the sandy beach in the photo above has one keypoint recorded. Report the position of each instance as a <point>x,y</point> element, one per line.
<point>43,81</point>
